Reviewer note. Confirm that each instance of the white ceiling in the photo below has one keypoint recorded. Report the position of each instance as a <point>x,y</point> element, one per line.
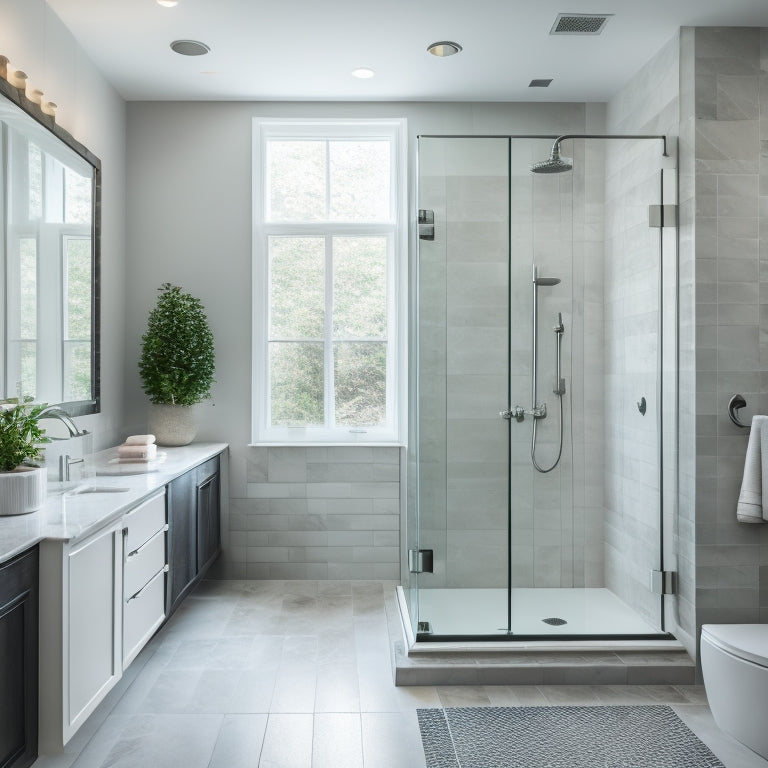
<point>306,49</point>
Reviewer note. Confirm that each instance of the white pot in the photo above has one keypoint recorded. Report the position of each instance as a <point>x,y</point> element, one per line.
<point>172,424</point>
<point>22,490</point>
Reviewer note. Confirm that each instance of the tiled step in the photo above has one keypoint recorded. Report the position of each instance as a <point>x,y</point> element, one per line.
<point>551,668</point>
<point>659,663</point>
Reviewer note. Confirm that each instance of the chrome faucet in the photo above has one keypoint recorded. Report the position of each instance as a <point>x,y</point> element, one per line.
<point>65,462</point>
<point>56,412</point>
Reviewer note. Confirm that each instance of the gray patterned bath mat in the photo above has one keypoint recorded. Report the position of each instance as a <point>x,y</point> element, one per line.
<point>650,736</point>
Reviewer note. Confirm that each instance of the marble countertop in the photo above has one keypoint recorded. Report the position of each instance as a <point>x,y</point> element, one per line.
<point>69,516</point>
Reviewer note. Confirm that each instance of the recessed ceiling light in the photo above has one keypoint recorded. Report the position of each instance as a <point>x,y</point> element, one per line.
<point>444,48</point>
<point>363,73</point>
<point>168,3</point>
<point>190,47</point>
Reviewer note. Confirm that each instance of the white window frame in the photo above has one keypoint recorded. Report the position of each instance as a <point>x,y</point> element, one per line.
<point>396,232</point>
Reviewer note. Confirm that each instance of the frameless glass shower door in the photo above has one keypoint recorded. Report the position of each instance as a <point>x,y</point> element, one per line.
<point>534,534</point>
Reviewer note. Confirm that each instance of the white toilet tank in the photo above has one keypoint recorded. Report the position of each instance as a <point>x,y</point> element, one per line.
<point>734,662</point>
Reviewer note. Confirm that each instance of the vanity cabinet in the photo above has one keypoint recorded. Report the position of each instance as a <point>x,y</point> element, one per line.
<point>18,660</point>
<point>194,540</point>
<point>81,630</point>
<point>208,515</point>
<point>144,569</point>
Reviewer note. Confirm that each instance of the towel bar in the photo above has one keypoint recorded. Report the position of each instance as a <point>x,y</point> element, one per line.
<point>734,404</point>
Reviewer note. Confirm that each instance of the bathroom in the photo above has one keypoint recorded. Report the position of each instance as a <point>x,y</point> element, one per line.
<point>177,205</point>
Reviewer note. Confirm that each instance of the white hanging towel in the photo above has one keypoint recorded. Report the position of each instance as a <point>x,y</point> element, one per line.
<point>752,506</point>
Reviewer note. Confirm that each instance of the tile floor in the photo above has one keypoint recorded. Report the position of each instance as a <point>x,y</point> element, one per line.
<point>297,674</point>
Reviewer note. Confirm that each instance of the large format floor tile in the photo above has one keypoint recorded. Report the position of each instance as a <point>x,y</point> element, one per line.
<point>297,674</point>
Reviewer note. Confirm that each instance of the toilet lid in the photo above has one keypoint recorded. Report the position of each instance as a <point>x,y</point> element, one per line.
<point>747,641</point>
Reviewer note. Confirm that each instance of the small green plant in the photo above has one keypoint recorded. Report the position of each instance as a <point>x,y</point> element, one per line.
<point>177,358</point>
<point>21,436</point>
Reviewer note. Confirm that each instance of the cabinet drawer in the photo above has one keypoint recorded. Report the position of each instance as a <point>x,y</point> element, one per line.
<point>143,563</point>
<point>143,613</point>
<point>144,522</point>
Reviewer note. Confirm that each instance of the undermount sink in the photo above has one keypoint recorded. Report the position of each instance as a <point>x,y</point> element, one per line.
<point>96,489</point>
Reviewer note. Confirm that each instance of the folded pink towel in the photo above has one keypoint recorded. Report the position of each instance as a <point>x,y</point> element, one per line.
<point>139,440</point>
<point>137,451</point>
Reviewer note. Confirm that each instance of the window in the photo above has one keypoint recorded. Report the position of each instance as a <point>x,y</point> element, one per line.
<point>329,251</point>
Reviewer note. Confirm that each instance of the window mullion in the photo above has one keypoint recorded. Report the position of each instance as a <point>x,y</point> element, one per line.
<point>330,400</point>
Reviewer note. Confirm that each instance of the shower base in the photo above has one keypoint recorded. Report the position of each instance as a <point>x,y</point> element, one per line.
<point>550,612</point>
<point>603,642</point>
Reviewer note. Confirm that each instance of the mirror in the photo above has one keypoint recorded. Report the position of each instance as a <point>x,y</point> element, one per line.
<point>50,188</point>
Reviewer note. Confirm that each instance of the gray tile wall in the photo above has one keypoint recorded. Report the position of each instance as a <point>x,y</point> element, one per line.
<point>465,294</point>
<point>730,179</point>
<point>462,363</point>
<point>685,531</point>
<point>648,104</point>
<point>316,513</point>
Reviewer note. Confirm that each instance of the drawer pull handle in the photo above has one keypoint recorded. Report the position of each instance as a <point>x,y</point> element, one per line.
<point>146,543</point>
<point>138,594</point>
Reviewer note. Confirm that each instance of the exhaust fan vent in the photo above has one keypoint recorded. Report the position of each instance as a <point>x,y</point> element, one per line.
<point>579,23</point>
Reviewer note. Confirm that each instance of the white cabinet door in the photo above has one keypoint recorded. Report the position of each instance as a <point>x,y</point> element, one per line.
<point>81,626</point>
<point>94,633</point>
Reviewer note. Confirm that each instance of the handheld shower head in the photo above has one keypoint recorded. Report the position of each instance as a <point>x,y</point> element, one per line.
<point>537,281</point>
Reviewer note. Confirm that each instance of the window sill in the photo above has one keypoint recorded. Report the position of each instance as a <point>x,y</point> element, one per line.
<point>303,444</point>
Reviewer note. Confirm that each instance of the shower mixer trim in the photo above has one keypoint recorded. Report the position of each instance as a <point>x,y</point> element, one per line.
<point>518,413</point>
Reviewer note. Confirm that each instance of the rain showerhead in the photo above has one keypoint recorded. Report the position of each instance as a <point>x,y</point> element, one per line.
<point>555,163</point>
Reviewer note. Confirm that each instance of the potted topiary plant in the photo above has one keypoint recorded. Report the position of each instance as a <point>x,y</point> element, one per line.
<point>22,485</point>
<point>177,364</point>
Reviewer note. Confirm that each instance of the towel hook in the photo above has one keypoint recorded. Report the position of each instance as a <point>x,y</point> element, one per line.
<point>734,404</point>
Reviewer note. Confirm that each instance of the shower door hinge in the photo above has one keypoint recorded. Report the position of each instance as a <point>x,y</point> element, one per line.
<point>662,215</point>
<point>426,224</point>
<point>664,582</point>
<point>420,560</point>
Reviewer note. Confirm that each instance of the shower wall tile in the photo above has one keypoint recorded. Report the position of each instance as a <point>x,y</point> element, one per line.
<point>723,120</point>
<point>648,104</point>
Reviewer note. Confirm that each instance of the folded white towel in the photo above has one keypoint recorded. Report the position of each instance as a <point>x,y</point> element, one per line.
<point>137,451</point>
<point>139,440</point>
<point>752,506</point>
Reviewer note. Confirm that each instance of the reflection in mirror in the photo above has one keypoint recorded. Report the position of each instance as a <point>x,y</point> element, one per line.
<point>49,191</point>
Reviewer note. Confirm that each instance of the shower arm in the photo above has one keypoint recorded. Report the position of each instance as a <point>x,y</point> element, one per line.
<point>556,149</point>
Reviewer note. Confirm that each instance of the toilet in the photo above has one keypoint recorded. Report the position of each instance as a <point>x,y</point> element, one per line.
<point>734,661</point>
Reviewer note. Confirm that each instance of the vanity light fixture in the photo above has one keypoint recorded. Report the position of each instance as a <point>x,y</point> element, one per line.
<point>363,73</point>
<point>444,48</point>
<point>168,3</point>
<point>190,47</point>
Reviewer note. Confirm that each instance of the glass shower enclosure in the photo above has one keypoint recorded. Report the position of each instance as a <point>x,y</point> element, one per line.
<point>543,390</point>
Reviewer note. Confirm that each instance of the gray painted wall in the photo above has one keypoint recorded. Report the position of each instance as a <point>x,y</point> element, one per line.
<point>189,221</point>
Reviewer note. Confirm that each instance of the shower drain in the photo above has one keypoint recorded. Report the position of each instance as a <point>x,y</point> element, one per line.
<point>555,622</point>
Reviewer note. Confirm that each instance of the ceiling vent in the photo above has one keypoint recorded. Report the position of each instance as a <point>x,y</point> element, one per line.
<point>579,23</point>
<point>540,82</point>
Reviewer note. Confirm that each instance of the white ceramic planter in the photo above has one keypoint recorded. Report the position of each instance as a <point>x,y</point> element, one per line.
<point>22,490</point>
<point>172,424</point>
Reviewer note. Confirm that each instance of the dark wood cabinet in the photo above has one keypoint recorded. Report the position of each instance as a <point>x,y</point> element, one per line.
<point>18,660</point>
<point>182,538</point>
<point>194,539</point>
<point>208,517</point>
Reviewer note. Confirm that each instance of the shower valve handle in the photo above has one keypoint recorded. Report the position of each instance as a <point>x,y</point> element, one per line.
<point>518,413</point>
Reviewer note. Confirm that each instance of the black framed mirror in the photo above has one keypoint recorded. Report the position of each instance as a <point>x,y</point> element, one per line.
<point>50,214</point>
